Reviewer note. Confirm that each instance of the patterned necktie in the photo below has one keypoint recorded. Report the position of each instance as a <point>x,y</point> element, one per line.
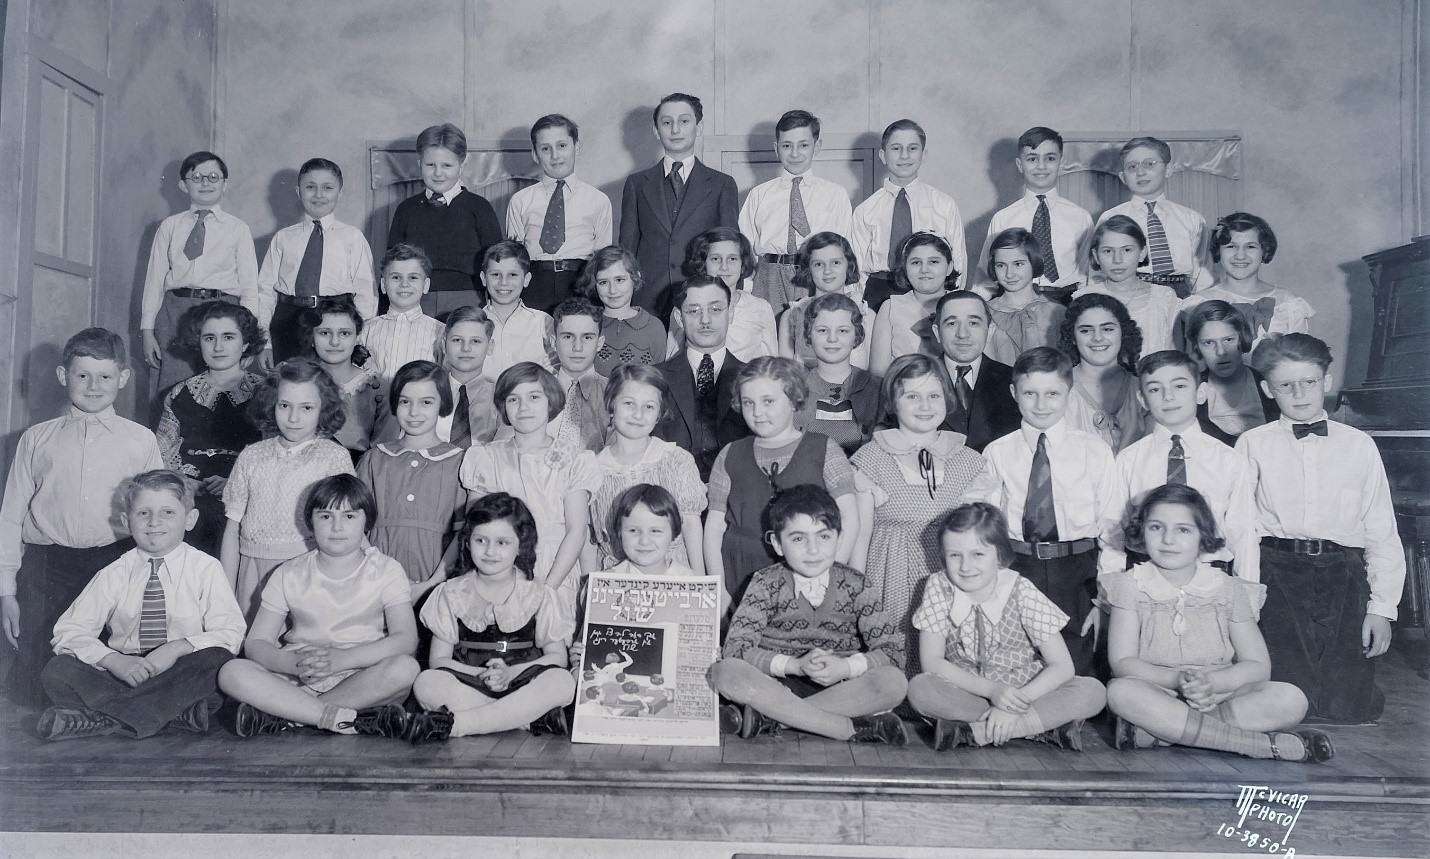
<point>438,200</point>
<point>553,229</point>
<point>1316,428</point>
<point>1158,250</point>
<point>153,619</point>
<point>961,390</point>
<point>677,188</point>
<point>305,285</point>
<point>1040,521</point>
<point>1177,462</point>
<point>705,376</point>
<point>798,220</point>
<point>568,437</point>
<point>1043,235</point>
<point>461,434</point>
<point>194,246</point>
<point>981,640</point>
<point>900,228</point>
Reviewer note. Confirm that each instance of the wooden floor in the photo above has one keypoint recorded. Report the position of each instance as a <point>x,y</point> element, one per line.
<point>1372,800</point>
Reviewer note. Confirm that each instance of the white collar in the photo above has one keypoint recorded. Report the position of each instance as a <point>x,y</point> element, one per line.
<point>284,451</point>
<point>435,453</point>
<point>327,221</point>
<point>103,418</point>
<point>1055,433</point>
<point>812,588</point>
<point>169,559</point>
<point>974,367</point>
<point>1051,194</point>
<point>894,189</point>
<point>1206,581</point>
<point>686,165</point>
<point>694,356</point>
<point>992,607</point>
<point>447,196</point>
<point>1143,201</point>
<point>787,177</point>
<point>414,314</point>
<point>1164,435</point>
<point>548,182</point>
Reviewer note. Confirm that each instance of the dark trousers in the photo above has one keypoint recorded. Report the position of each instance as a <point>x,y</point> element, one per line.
<point>143,710</point>
<point>1315,605</point>
<point>284,331</point>
<point>879,287</point>
<point>549,288</point>
<point>49,579</point>
<point>1071,583</point>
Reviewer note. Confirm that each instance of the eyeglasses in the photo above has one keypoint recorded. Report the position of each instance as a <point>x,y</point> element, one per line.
<point>1293,387</point>
<point>1149,165</point>
<point>204,178</point>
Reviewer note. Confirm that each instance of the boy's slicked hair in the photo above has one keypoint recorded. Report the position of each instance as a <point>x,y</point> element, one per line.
<point>1277,349</point>
<point>1239,222</point>
<point>519,374</point>
<point>1131,345</point>
<point>806,499</point>
<point>699,248</point>
<point>203,156</point>
<point>830,302</point>
<point>191,326</point>
<point>695,281</point>
<point>1163,150</point>
<point>695,105</point>
<point>336,490</point>
<point>986,521</point>
<point>1043,359</point>
<point>576,306</point>
<point>98,343</point>
<point>1016,238</point>
<point>422,371</point>
<point>787,372</point>
<point>445,136</point>
<point>402,252</point>
<point>603,259</point>
<point>792,119</point>
<point>645,374</point>
<point>961,295</point>
<point>158,480</point>
<point>467,313</point>
<point>1037,136</point>
<point>1172,493</point>
<point>505,250</point>
<point>657,499</point>
<point>903,125</point>
<point>554,120</point>
<point>314,164</point>
<point>1217,310</point>
<point>1166,358</point>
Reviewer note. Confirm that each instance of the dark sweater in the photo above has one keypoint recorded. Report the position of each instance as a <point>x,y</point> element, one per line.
<point>454,236</point>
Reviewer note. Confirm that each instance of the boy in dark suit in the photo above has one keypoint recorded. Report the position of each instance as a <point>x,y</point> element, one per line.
<point>665,206</point>
<point>702,376</point>
<point>983,408</point>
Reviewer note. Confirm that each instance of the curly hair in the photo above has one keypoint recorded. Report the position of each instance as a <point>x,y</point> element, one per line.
<point>191,327</point>
<point>296,371</point>
<point>1242,222</point>
<point>831,302</point>
<point>332,305</point>
<point>1172,493</point>
<point>498,507</point>
<point>804,279</point>
<point>786,371</point>
<point>1131,332</point>
<point>913,243</point>
<point>699,249</point>
<point>602,260</point>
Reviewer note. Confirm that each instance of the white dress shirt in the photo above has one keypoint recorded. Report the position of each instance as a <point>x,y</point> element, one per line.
<point>972,377</point>
<point>1219,473</point>
<point>522,337</point>
<point>1071,225</point>
<point>397,337</point>
<point>347,266</point>
<point>694,356</point>
<point>588,218</point>
<point>198,600</point>
<point>933,211</point>
<point>228,263</point>
<point>1331,488</point>
<point>1186,233</point>
<point>764,219</point>
<point>1086,499</point>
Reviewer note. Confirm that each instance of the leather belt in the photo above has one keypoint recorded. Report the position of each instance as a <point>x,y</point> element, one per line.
<point>558,264</point>
<point>779,259</point>
<point>1046,551</point>
<point>1304,547</point>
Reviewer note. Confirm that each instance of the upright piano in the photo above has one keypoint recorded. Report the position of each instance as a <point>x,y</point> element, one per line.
<point>1392,404</point>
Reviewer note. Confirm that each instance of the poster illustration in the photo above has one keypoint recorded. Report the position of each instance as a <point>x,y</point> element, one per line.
<point>649,642</point>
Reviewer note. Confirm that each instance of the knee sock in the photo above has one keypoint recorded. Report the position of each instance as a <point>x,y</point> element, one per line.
<point>1204,731</point>
<point>334,716</point>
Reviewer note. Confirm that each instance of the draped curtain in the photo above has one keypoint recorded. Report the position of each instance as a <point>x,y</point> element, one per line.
<point>1205,174</point>
<point>495,172</point>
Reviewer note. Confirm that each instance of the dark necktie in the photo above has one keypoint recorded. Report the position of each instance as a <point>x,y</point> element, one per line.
<point>438,200</point>
<point>1177,462</point>
<point>961,389</point>
<point>677,188</point>
<point>798,220</point>
<point>900,228</point>
<point>153,618</point>
<point>1315,428</point>
<point>461,434</point>
<point>194,246</point>
<point>1043,235</point>
<point>553,229</point>
<point>305,285</point>
<point>1040,521</point>
<point>1158,251</point>
<point>705,376</point>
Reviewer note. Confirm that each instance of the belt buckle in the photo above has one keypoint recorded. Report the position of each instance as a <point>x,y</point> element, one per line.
<point>1038,551</point>
<point>502,646</point>
<point>1313,547</point>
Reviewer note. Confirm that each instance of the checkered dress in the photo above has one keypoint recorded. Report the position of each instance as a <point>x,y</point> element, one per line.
<point>1002,649</point>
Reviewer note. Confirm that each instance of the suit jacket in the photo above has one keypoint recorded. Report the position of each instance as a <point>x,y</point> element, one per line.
<point>647,230</point>
<point>993,412</point>
<point>680,425</point>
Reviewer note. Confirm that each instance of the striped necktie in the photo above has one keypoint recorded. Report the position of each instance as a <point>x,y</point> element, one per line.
<point>1043,235</point>
<point>1177,462</point>
<point>153,618</point>
<point>1158,251</point>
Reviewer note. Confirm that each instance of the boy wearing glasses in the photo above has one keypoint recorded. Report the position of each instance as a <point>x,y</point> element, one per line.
<point>1176,235</point>
<point>202,254</point>
<point>1331,559</point>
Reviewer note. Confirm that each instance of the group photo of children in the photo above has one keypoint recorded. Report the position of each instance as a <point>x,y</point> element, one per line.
<point>1084,479</point>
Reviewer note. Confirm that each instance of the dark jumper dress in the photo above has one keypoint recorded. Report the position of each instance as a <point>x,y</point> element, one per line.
<point>744,550</point>
<point>480,656</point>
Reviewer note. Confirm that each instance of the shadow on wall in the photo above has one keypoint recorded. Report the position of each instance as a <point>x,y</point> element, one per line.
<point>1007,186</point>
<point>283,202</point>
<point>144,379</point>
<point>638,138</point>
<point>1360,301</point>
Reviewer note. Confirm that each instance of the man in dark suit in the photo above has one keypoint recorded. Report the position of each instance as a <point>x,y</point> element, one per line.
<point>666,206</point>
<point>703,417</point>
<point>983,408</point>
